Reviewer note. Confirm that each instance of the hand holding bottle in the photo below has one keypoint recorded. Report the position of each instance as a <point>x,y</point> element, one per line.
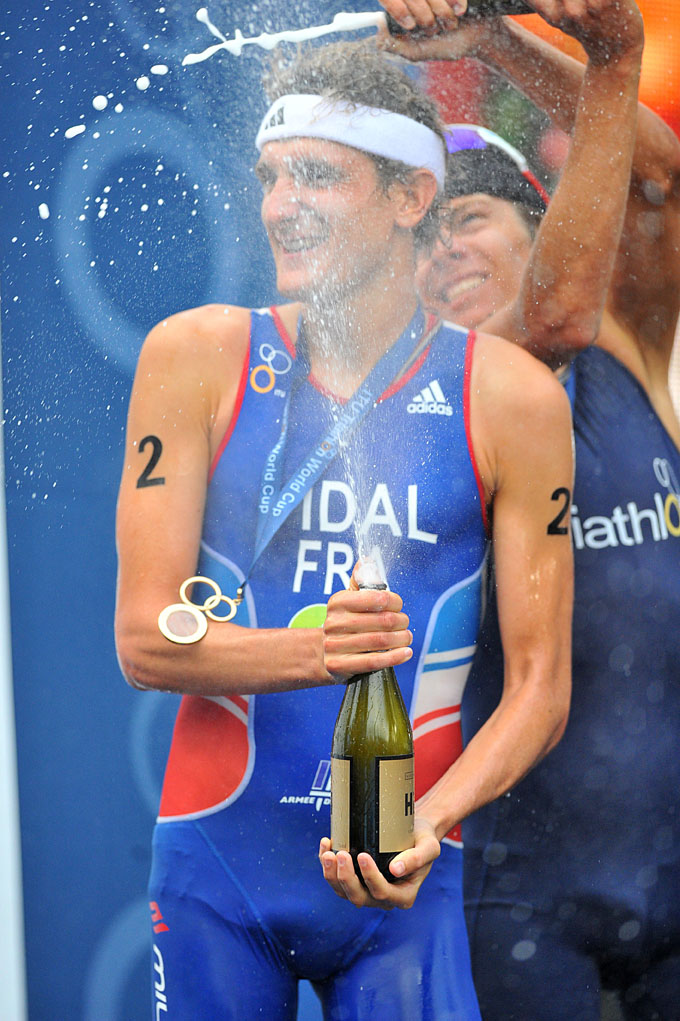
<point>442,29</point>
<point>364,631</point>
<point>409,869</point>
<point>429,33</point>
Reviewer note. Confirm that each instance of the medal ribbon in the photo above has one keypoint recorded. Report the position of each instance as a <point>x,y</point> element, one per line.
<point>277,500</point>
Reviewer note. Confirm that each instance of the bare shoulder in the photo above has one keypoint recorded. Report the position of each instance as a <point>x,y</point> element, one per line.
<point>197,337</point>
<point>519,413</point>
<point>208,337</point>
<point>188,374</point>
<point>190,368</point>
<point>508,379</point>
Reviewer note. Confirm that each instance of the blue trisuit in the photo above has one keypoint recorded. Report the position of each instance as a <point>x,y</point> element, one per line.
<point>241,910</point>
<point>573,879</point>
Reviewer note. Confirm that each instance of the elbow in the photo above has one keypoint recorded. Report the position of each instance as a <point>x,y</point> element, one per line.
<point>136,678</point>
<point>561,326</point>
<point>577,335</point>
<point>560,715</point>
<point>136,658</point>
<point>558,342</point>
<point>134,670</point>
<point>559,728</point>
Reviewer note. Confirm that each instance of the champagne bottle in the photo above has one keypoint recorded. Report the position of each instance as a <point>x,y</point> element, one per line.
<point>372,792</point>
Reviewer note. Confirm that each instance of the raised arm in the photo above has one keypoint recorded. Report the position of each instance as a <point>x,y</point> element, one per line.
<point>647,270</point>
<point>560,304</point>
<point>565,286</point>
<point>552,80</point>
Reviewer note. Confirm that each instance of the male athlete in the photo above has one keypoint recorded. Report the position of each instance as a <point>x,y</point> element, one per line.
<point>573,881</point>
<point>264,448</point>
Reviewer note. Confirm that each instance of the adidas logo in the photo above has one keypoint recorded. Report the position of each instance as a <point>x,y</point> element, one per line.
<point>430,400</point>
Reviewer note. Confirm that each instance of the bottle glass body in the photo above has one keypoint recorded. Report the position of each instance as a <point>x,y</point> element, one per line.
<point>372,784</point>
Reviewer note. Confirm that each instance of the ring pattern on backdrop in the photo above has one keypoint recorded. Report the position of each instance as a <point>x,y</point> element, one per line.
<point>101,255</point>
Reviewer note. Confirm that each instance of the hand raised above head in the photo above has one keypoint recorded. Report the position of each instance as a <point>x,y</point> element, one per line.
<point>605,28</point>
<point>432,30</point>
<point>424,14</point>
<point>443,29</point>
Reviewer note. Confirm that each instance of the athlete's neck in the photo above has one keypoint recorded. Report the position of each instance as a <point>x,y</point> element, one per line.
<point>345,340</point>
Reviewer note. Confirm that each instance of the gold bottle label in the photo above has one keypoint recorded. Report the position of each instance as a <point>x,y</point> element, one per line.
<point>396,802</point>
<point>340,777</point>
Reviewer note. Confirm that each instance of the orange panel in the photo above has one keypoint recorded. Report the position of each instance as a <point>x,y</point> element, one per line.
<point>660,83</point>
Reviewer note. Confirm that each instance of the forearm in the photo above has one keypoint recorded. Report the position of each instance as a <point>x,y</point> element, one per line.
<point>523,729</point>
<point>549,78</point>
<point>565,286</point>
<point>229,660</point>
<point>363,631</point>
<point>552,80</point>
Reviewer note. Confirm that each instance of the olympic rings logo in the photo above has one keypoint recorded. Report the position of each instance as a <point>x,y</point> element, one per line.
<point>274,363</point>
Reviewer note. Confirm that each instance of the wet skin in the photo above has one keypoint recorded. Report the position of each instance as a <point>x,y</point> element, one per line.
<point>327,217</point>
<point>476,266</point>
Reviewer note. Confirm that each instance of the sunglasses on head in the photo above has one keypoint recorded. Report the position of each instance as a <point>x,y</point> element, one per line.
<point>460,137</point>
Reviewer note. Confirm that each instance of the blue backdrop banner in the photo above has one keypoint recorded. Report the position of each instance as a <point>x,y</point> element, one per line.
<point>127,193</point>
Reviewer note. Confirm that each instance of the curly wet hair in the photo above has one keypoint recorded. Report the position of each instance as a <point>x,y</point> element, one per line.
<point>357,74</point>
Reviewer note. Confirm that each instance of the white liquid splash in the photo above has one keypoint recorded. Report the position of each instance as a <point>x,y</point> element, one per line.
<point>344,21</point>
<point>370,568</point>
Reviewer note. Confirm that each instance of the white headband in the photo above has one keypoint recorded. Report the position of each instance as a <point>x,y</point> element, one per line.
<point>369,128</point>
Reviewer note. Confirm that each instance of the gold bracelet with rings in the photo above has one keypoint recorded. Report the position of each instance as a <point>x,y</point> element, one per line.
<point>185,623</point>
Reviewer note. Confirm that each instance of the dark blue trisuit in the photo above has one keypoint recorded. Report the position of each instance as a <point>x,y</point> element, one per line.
<point>573,878</point>
<point>240,908</point>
